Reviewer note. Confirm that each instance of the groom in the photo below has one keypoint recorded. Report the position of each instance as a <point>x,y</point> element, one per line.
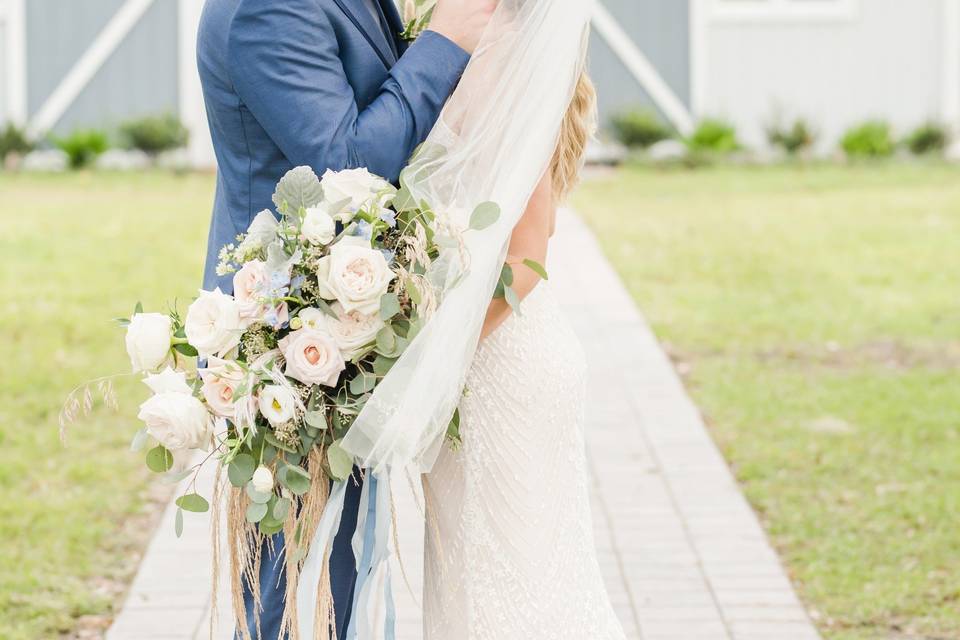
<point>328,84</point>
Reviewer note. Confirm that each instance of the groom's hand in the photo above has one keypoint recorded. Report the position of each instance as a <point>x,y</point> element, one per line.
<point>462,21</point>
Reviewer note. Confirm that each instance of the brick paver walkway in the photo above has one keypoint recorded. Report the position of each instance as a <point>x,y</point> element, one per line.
<point>682,552</point>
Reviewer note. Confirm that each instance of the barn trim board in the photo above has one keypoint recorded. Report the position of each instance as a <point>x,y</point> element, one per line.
<point>640,67</point>
<point>13,18</point>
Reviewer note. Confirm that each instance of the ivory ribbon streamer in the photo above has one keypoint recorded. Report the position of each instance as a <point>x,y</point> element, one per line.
<point>317,559</point>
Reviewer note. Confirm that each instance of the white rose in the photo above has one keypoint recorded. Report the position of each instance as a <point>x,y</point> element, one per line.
<point>213,324</point>
<point>319,226</point>
<point>354,188</point>
<point>263,479</point>
<point>312,357</point>
<point>221,379</point>
<point>277,404</point>
<point>261,232</point>
<point>148,340</point>
<point>312,318</point>
<point>173,416</point>
<point>355,275</point>
<point>353,331</point>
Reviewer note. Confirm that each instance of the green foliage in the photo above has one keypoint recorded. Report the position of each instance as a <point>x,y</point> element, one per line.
<point>839,418</point>
<point>714,136</point>
<point>154,134</point>
<point>486,214</point>
<point>794,138</point>
<point>930,137</point>
<point>83,146</point>
<point>14,140</point>
<point>872,139</point>
<point>640,128</point>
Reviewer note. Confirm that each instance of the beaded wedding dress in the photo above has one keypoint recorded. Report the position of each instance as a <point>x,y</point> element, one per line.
<point>509,550</point>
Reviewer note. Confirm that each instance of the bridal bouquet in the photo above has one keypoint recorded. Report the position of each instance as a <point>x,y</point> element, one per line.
<point>267,381</point>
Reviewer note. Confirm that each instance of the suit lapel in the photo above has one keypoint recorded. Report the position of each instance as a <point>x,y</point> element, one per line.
<point>394,21</point>
<point>364,23</point>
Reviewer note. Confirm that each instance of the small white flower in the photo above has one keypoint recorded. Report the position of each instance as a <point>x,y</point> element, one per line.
<point>213,324</point>
<point>319,227</point>
<point>263,479</point>
<point>148,340</point>
<point>277,405</point>
<point>312,318</point>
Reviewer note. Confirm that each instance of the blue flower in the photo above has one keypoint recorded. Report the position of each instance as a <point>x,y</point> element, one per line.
<point>389,217</point>
<point>364,230</point>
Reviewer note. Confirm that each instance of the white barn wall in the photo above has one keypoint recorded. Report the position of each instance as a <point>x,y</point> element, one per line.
<point>887,60</point>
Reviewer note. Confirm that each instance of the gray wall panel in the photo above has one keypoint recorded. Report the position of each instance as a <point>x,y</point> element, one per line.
<point>4,99</point>
<point>140,78</point>
<point>661,29</point>
<point>58,32</point>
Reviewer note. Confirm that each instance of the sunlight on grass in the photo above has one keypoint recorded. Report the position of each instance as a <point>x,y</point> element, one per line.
<point>78,251</point>
<point>816,315</point>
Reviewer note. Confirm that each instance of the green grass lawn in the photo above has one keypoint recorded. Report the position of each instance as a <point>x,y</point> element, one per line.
<point>815,314</point>
<point>78,251</point>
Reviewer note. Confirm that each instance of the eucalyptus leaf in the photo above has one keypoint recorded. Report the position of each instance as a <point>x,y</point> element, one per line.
<point>297,480</point>
<point>316,419</point>
<point>257,496</point>
<point>341,462</point>
<point>389,305</point>
<point>178,523</point>
<point>280,509</point>
<point>537,268</point>
<point>193,502</point>
<point>256,511</point>
<point>413,291</point>
<point>362,383</point>
<point>386,341</point>
<point>512,299</point>
<point>186,350</point>
<point>269,528</point>
<point>506,275</point>
<point>241,469</point>
<point>299,188</point>
<point>485,215</point>
<point>382,365</point>
<point>326,308</point>
<point>159,460</point>
<point>139,442</point>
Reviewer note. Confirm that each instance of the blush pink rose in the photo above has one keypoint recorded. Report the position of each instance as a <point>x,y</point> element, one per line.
<point>221,379</point>
<point>248,285</point>
<point>312,357</point>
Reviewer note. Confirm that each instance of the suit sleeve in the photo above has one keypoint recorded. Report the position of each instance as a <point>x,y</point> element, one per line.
<point>285,66</point>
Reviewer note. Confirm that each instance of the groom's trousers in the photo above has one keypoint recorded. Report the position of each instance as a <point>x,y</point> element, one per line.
<point>273,582</point>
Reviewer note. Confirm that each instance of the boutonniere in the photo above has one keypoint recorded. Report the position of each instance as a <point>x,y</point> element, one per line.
<point>416,17</point>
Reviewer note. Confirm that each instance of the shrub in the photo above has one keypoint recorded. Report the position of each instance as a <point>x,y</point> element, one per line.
<point>154,135</point>
<point>869,140</point>
<point>931,137</point>
<point>716,136</point>
<point>640,128</point>
<point>83,146</point>
<point>792,139</point>
<point>13,139</point>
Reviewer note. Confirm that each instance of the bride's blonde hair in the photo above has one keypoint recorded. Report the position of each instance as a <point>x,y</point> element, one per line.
<point>578,127</point>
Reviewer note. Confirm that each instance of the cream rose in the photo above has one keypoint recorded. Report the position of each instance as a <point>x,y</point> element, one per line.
<point>248,285</point>
<point>319,227</point>
<point>213,324</point>
<point>173,416</point>
<point>312,357</point>
<point>277,404</point>
<point>355,275</point>
<point>148,340</point>
<point>354,188</point>
<point>221,379</point>
<point>353,331</point>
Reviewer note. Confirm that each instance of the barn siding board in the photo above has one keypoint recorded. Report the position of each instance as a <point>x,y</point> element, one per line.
<point>58,32</point>
<point>140,78</point>
<point>661,30</point>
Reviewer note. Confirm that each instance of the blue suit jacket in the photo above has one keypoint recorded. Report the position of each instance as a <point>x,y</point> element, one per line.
<point>310,82</point>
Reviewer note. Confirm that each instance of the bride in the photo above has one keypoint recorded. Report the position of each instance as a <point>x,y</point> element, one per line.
<point>510,552</point>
